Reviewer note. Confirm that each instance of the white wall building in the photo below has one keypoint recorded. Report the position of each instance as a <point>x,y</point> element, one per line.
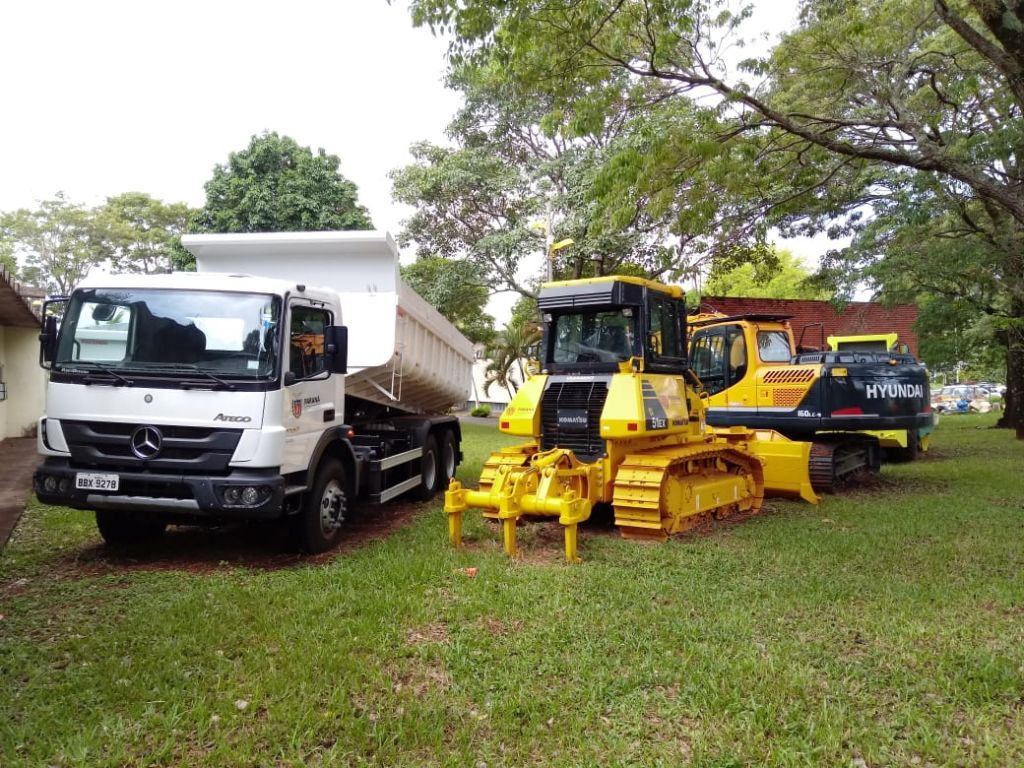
<point>22,381</point>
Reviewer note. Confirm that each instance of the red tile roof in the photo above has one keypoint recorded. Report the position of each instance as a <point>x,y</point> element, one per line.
<point>858,317</point>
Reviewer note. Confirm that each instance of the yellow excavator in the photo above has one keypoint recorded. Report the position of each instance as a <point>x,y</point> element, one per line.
<point>842,402</point>
<point>616,417</point>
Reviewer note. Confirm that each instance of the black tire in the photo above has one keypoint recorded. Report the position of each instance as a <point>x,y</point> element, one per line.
<point>318,525</point>
<point>430,470</point>
<point>449,459</point>
<point>121,529</point>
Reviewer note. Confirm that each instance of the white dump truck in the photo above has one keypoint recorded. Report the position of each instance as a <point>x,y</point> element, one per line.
<point>290,375</point>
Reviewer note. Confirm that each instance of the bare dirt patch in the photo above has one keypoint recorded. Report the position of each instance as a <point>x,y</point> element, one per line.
<point>437,632</point>
<point>201,549</point>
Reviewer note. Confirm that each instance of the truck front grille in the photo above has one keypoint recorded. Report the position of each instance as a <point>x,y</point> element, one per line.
<point>580,404</point>
<point>184,450</point>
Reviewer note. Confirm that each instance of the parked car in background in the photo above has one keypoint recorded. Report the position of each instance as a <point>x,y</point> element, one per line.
<point>963,398</point>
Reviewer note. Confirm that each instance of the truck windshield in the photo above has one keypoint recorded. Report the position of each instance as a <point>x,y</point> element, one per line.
<point>593,337</point>
<point>230,335</point>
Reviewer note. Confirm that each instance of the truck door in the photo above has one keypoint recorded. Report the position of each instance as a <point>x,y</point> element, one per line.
<point>309,386</point>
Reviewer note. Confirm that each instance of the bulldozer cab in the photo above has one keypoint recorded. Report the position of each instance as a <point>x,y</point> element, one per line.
<point>597,325</point>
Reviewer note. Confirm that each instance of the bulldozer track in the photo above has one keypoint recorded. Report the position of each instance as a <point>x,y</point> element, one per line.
<point>669,490</point>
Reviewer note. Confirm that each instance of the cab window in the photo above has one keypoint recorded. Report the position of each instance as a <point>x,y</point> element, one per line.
<point>719,357</point>
<point>773,346</point>
<point>306,341</point>
<point>666,341</point>
<point>707,358</point>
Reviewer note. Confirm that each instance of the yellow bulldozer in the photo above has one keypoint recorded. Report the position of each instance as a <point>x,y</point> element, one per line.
<point>616,417</point>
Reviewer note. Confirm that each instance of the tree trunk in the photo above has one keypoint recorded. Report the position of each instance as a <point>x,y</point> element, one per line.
<point>1013,400</point>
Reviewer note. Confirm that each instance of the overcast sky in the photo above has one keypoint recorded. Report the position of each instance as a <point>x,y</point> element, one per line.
<point>112,96</point>
<point>107,97</point>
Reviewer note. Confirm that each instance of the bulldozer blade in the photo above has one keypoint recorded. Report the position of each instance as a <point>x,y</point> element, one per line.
<point>786,462</point>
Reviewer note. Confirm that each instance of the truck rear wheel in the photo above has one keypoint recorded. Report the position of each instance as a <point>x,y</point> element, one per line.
<point>318,526</point>
<point>120,528</point>
<point>449,459</point>
<point>430,470</point>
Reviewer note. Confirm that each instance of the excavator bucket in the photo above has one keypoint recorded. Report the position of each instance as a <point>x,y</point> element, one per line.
<point>785,461</point>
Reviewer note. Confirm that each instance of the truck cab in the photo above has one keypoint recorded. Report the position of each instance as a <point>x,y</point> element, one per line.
<point>203,397</point>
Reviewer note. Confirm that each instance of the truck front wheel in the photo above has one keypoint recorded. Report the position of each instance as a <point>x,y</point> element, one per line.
<point>120,528</point>
<point>318,525</point>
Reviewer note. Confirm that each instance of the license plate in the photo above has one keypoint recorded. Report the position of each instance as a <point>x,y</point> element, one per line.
<point>94,481</point>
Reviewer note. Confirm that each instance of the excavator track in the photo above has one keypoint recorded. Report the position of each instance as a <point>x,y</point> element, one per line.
<point>669,490</point>
<point>832,461</point>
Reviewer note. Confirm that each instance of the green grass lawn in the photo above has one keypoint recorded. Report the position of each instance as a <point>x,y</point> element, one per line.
<point>885,627</point>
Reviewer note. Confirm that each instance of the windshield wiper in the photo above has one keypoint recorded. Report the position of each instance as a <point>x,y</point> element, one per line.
<point>220,382</point>
<point>119,380</point>
<point>154,367</point>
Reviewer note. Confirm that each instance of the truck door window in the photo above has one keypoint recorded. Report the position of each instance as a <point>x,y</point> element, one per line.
<point>306,345</point>
<point>773,346</point>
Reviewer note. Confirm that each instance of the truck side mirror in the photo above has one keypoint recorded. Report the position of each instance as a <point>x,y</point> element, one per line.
<point>48,342</point>
<point>336,340</point>
<point>52,310</point>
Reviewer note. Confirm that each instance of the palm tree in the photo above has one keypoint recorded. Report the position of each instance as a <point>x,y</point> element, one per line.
<point>511,345</point>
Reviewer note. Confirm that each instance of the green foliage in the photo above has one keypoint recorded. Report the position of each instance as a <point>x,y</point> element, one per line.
<point>955,336</point>
<point>275,185</point>
<point>454,289</point>
<point>789,279</point>
<point>138,233</point>
<point>518,172</point>
<point>57,242</point>
<point>469,204</point>
<point>512,345</point>
<point>898,122</point>
<point>7,245</point>
<point>480,411</point>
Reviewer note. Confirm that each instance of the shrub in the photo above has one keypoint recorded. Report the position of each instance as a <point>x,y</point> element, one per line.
<point>481,411</point>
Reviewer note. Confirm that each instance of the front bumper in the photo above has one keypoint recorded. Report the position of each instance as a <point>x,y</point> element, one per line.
<point>197,496</point>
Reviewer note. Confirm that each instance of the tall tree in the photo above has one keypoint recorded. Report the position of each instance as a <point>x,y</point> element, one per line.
<point>789,280</point>
<point>7,260</point>
<point>854,108</point>
<point>138,233</point>
<point>56,242</point>
<point>275,185</point>
<point>454,289</point>
<point>513,177</point>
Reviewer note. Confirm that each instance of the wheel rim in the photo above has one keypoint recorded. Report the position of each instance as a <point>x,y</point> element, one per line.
<point>332,508</point>
<point>449,459</point>
<point>428,470</point>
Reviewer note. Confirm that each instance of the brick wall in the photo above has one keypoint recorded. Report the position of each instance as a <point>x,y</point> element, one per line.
<point>858,317</point>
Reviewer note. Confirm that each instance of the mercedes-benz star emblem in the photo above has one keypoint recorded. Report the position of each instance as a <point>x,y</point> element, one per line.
<point>146,442</point>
